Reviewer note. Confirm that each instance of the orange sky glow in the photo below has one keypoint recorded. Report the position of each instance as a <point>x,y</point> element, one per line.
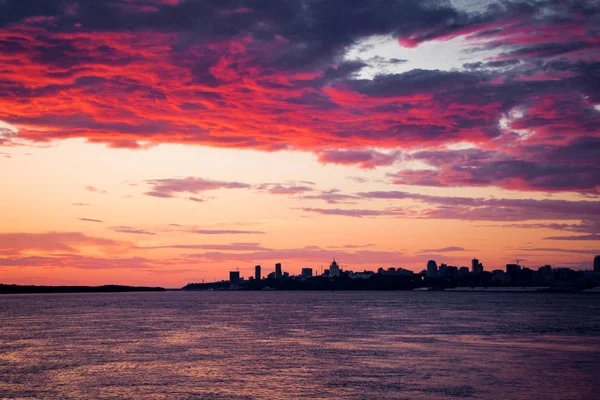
<point>161,153</point>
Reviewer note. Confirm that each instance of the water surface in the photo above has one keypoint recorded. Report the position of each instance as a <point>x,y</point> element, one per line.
<point>299,345</point>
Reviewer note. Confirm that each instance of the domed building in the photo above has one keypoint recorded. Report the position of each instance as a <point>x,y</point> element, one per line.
<point>334,270</point>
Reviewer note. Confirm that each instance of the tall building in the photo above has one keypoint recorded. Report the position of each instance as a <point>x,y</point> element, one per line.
<point>597,264</point>
<point>476,266</point>
<point>307,272</point>
<point>512,274</point>
<point>432,269</point>
<point>257,272</point>
<point>334,269</point>
<point>234,277</point>
<point>278,273</point>
<point>546,270</point>
<point>443,271</point>
<point>452,272</point>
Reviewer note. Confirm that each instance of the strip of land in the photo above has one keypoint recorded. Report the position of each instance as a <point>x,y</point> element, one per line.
<point>20,289</point>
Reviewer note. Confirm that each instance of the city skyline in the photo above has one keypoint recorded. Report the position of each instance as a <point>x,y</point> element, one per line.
<point>514,278</point>
<point>430,270</point>
<point>158,142</point>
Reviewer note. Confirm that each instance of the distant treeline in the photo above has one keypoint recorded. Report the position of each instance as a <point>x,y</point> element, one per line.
<point>19,289</point>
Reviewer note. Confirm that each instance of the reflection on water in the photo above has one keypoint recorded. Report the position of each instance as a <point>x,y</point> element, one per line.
<point>285,345</point>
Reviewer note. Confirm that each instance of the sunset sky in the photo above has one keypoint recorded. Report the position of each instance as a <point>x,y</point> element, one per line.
<point>161,142</point>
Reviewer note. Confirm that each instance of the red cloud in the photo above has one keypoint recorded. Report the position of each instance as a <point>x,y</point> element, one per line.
<point>264,78</point>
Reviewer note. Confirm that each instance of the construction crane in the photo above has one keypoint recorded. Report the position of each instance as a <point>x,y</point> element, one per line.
<point>520,259</point>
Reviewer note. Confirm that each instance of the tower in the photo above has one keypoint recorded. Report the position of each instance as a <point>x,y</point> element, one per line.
<point>432,269</point>
<point>476,266</point>
<point>257,273</point>
<point>278,273</point>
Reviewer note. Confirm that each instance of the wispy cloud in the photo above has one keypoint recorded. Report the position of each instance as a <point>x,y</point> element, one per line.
<point>91,220</point>
<point>356,213</point>
<point>166,188</point>
<point>226,232</point>
<point>129,229</point>
<point>94,189</point>
<point>443,250</point>
<point>76,261</point>
<point>285,189</point>
<point>57,242</point>
<point>574,237</point>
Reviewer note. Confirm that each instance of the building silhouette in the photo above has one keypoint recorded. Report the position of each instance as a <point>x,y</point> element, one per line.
<point>443,271</point>
<point>512,274</point>
<point>476,266</point>
<point>432,269</point>
<point>307,272</point>
<point>443,277</point>
<point>234,277</point>
<point>334,269</point>
<point>257,272</point>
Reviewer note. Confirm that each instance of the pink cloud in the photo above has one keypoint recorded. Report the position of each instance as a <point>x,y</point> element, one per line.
<point>367,159</point>
<point>167,188</point>
<point>357,213</point>
<point>286,189</point>
<point>52,242</point>
<point>76,261</point>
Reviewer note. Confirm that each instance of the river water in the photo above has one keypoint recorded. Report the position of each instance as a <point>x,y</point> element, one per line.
<point>300,345</point>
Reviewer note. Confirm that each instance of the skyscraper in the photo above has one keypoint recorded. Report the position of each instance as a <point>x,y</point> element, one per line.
<point>443,271</point>
<point>257,272</point>
<point>432,269</point>
<point>597,264</point>
<point>512,274</point>
<point>278,273</point>
<point>307,272</point>
<point>476,266</point>
<point>234,277</point>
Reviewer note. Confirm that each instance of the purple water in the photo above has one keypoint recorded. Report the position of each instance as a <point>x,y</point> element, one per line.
<point>300,345</point>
